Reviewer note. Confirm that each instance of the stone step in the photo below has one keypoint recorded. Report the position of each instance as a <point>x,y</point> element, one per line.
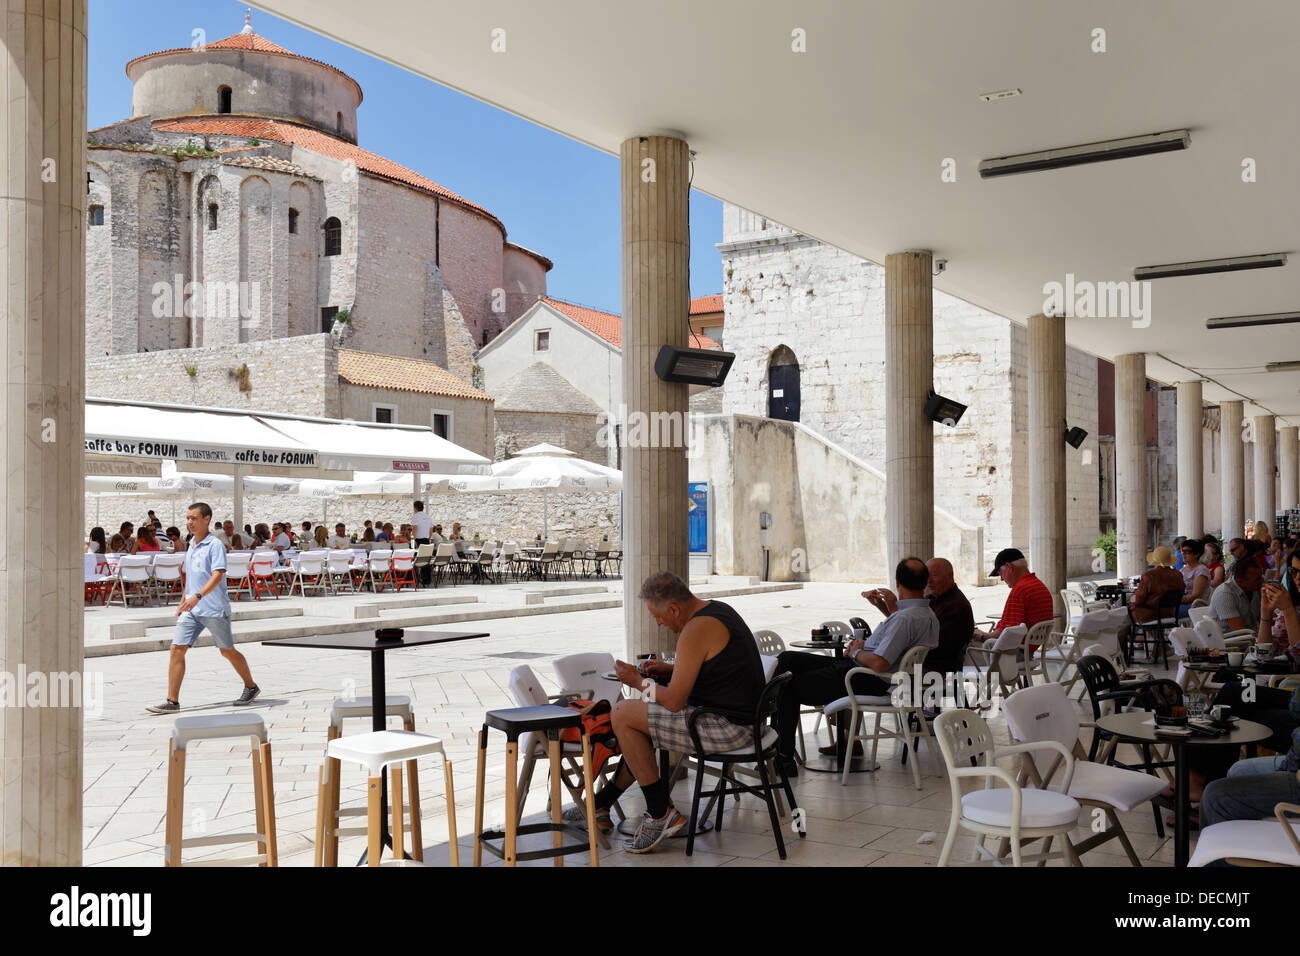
<point>166,616</point>
<point>378,606</point>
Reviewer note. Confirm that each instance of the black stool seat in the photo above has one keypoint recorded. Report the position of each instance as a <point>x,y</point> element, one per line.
<point>520,720</point>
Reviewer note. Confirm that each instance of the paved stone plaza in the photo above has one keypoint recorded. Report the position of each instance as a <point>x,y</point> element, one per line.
<point>876,820</point>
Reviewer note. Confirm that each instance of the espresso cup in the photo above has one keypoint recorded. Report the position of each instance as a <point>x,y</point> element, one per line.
<point>1220,711</point>
<point>1235,658</point>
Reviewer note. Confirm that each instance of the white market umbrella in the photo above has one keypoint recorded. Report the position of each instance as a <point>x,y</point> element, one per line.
<point>547,473</point>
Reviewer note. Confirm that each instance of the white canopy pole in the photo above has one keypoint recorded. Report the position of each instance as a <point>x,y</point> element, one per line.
<point>239,499</point>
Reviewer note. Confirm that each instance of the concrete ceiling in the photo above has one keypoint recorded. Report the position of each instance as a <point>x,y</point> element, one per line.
<point>845,141</point>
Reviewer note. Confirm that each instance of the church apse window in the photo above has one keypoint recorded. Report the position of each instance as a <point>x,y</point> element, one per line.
<point>223,99</point>
<point>212,217</point>
<point>333,237</point>
<point>96,215</point>
<point>293,222</point>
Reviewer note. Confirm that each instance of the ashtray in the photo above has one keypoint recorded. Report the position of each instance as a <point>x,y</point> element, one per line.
<point>389,634</point>
<point>1162,721</point>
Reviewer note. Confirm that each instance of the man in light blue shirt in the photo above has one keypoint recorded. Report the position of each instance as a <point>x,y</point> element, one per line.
<point>205,605</point>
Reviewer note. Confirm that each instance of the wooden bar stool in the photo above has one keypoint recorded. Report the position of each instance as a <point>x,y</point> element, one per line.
<point>343,708</point>
<point>186,730</point>
<point>550,720</point>
<point>375,751</point>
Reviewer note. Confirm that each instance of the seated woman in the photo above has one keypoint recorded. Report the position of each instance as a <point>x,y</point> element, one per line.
<point>145,540</point>
<point>97,543</point>
<point>368,535</point>
<point>1213,561</point>
<point>321,536</point>
<point>1154,583</point>
<point>1196,576</point>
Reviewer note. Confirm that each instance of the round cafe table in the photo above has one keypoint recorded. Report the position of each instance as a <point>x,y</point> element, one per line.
<point>833,763</point>
<point>1138,727</point>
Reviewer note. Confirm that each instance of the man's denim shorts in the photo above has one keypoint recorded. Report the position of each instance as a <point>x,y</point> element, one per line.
<point>189,626</point>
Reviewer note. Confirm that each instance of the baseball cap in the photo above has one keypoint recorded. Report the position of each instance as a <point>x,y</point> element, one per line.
<point>1005,556</point>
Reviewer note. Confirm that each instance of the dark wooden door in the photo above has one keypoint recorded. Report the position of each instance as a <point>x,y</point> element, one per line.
<point>783,392</point>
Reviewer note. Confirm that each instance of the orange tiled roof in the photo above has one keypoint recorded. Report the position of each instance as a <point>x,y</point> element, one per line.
<point>609,326</point>
<point>706,304</point>
<point>323,143</point>
<point>403,374</point>
<point>245,41</point>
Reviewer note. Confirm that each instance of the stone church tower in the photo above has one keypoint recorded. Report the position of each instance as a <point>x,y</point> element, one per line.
<point>236,206</point>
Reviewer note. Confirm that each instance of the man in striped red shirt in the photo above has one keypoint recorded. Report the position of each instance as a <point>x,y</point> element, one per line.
<point>1029,601</point>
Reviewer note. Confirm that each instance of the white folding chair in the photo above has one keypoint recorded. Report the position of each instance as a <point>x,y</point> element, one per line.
<point>167,576</point>
<point>379,569</point>
<point>1011,811</point>
<point>135,574</point>
<point>261,574</point>
<point>403,568</point>
<point>312,572</point>
<point>1047,713</point>
<point>338,563</point>
<point>1251,842</point>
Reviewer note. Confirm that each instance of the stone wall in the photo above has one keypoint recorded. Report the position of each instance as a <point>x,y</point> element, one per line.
<point>827,506</point>
<point>471,418</point>
<point>296,376</point>
<point>516,430</point>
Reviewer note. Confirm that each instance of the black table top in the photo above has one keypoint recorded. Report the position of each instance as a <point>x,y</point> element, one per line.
<point>1134,726</point>
<point>365,640</point>
<point>1281,666</point>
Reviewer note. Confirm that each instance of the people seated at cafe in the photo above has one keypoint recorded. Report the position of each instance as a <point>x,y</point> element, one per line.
<point>145,540</point>
<point>717,665</point>
<point>1156,581</point>
<point>819,680</point>
<point>1029,601</point>
<point>280,538</point>
<point>223,531</point>
<point>97,543</point>
<point>340,539</point>
<point>950,606</point>
<point>1257,551</point>
<point>1260,533</point>
<point>1254,786</point>
<point>368,534</point>
<point>237,543</point>
<point>174,535</point>
<point>1196,576</point>
<point>1236,604</point>
<point>384,533</point>
<point>1213,561</point>
<point>436,536</point>
<point>321,536</point>
<point>127,531</point>
<point>117,545</point>
<point>455,532</point>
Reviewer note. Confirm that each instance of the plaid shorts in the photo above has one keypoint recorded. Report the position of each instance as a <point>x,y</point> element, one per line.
<point>668,730</point>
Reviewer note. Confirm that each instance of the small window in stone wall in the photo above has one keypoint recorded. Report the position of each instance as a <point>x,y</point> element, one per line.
<point>384,414</point>
<point>338,123</point>
<point>293,222</point>
<point>223,99</point>
<point>96,215</point>
<point>327,318</point>
<point>543,342</point>
<point>212,217</point>
<point>442,425</point>
<point>333,237</point>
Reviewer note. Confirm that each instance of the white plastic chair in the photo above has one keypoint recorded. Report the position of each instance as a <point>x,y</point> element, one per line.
<point>1047,713</point>
<point>379,570</point>
<point>403,568</point>
<point>135,573</point>
<point>1242,635</point>
<point>1251,842</point>
<point>1213,637</point>
<point>312,572</point>
<point>338,563</point>
<point>237,564</point>
<point>1012,812</point>
<point>882,705</point>
<point>998,666</point>
<point>261,574</point>
<point>167,575</point>
<point>581,674</point>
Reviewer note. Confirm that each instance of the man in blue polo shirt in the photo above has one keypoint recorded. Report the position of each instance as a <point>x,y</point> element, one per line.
<point>205,605</point>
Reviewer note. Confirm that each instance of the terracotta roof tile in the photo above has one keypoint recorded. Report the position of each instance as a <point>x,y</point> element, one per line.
<point>269,162</point>
<point>609,326</point>
<point>706,304</point>
<point>322,143</point>
<point>403,374</point>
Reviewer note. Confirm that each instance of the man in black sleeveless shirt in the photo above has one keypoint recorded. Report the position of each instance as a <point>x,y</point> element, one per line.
<point>717,665</point>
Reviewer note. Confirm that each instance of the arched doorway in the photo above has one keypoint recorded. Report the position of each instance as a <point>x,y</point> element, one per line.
<point>783,385</point>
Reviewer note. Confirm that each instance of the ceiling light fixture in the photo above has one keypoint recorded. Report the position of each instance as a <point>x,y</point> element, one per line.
<point>999,95</point>
<point>1204,267</point>
<point>1144,145</point>
<point>1247,321</point>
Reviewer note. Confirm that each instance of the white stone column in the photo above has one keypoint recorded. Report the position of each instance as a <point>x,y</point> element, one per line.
<point>1191,478</point>
<point>1265,470</point>
<point>1047,518</point>
<point>909,434</point>
<point>1131,463</point>
<point>1288,463</point>
<point>656,300</point>
<point>1233,462</point>
<point>42,319</point>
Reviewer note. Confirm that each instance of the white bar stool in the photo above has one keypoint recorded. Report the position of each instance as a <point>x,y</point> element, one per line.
<point>346,708</point>
<point>375,751</point>
<point>187,730</point>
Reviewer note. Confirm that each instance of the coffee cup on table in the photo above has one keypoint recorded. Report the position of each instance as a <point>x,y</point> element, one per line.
<point>1221,712</point>
<point>1235,658</point>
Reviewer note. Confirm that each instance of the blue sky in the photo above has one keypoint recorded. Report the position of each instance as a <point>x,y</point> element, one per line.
<point>554,195</point>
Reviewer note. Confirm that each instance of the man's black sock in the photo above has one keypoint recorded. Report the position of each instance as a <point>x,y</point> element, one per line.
<point>608,794</point>
<point>656,797</point>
